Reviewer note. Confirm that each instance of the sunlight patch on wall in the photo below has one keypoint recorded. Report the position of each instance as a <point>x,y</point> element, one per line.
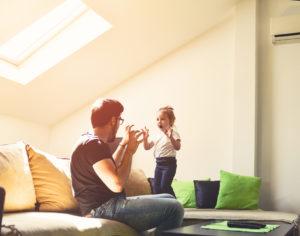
<point>49,40</point>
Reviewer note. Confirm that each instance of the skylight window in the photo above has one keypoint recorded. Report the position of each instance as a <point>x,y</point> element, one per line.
<point>49,40</point>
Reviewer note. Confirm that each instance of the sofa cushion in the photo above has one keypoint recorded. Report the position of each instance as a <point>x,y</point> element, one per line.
<point>51,181</point>
<point>238,191</point>
<point>61,224</point>
<point>15,178</point>
<point>137,183</point>
<point>223,214</point>
<point>206,193</point>
<point>185,192</point>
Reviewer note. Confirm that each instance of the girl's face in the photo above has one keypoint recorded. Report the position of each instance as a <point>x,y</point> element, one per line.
<point>163,121</point>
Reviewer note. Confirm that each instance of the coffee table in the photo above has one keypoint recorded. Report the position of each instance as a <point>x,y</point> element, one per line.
<point>284,229</point>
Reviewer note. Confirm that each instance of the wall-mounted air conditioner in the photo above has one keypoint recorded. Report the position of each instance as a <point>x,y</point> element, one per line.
<point>285,29</point>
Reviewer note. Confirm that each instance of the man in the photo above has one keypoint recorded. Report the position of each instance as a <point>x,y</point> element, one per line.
<point>98,176</point>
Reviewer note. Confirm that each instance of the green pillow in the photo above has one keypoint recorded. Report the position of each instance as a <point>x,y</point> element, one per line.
<point>185,193</point>
<point>238,192</point>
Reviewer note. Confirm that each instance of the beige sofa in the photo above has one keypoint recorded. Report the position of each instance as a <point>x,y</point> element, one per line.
<point>31,176</point>
<point>39,199</point>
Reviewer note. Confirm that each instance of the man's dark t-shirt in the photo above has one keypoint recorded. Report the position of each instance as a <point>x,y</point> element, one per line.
<point>89,189</point>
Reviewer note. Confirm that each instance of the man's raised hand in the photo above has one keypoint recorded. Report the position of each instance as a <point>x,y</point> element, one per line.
<point>125,138</point>
<point>134,140</point>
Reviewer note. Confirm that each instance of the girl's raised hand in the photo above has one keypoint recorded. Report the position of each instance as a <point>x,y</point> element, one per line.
<point>145,132</point>
<point>169,132</point>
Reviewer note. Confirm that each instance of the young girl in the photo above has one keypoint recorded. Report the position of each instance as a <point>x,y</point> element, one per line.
<point>165,147</point>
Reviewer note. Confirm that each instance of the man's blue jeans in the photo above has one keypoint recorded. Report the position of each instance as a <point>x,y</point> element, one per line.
<point>160,211</point>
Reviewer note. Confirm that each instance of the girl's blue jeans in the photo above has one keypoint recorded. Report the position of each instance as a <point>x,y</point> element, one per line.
<point>160,211</point>
<point>165,171</point>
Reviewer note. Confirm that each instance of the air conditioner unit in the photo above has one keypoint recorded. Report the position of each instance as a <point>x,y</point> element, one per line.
<point>285,29</point>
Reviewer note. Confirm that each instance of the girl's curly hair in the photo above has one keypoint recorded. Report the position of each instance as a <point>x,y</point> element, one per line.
<point>169,111</point>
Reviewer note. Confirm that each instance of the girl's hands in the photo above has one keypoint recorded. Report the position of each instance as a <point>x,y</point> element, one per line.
<point>169,132</point>
<point>145,132</point>
<point>147,144</point>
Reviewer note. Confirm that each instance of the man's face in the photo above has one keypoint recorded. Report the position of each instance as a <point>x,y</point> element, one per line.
<point>114,128</point>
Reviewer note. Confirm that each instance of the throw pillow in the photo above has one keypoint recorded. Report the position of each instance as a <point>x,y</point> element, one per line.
<point>238,191</point>
<point>206,193</point>
<point>51,180</point>
<point>185,193</point>
<point>137,184</point>
<point>15,178</point>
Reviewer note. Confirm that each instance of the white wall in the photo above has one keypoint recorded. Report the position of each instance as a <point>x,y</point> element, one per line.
<point>64,134</point>
<point>197,80</point>
<point>244,156</point>
<point>13,130</point>
<point>278,116</point>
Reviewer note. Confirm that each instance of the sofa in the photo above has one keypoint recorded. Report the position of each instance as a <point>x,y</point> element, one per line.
<point>39,198</point>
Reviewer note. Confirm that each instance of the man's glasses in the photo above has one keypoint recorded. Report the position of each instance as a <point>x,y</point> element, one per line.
<point>121,120</point>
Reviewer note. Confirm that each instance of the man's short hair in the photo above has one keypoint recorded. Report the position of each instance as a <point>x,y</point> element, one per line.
<point>104,110</point>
